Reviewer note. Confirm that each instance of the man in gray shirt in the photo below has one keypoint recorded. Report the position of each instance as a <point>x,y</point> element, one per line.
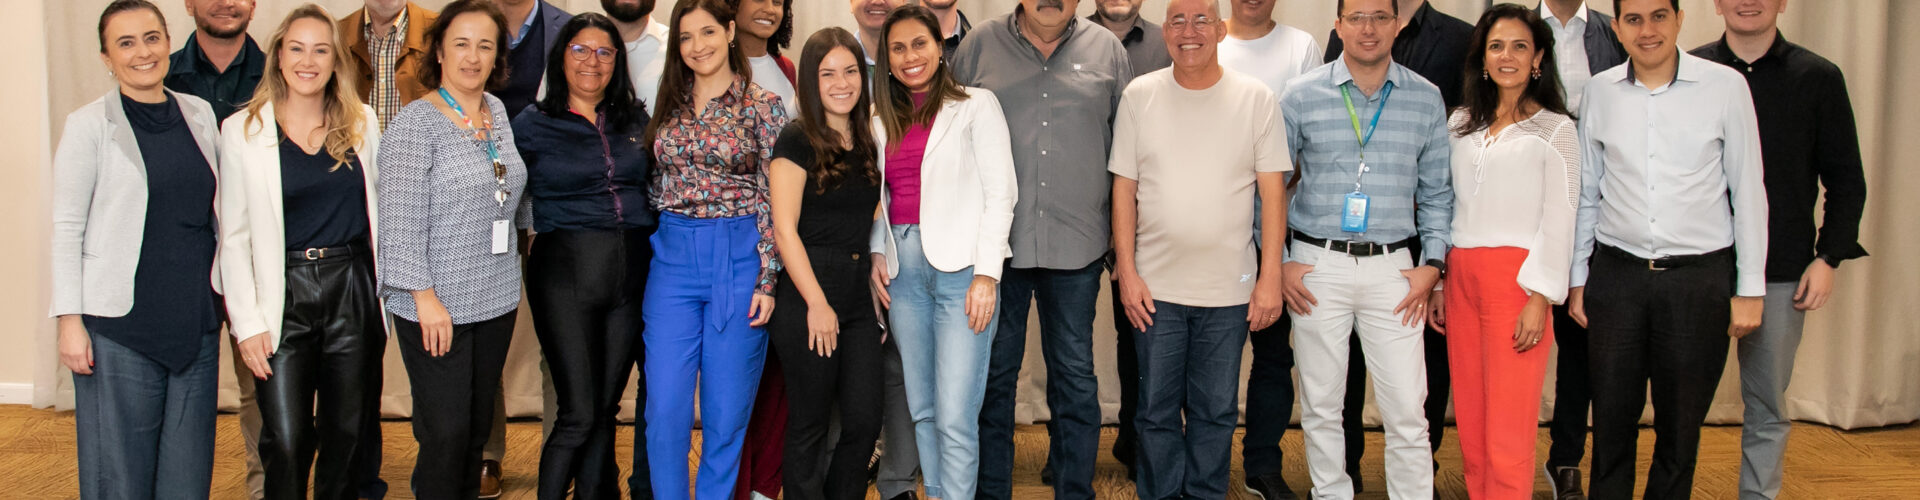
<point>1059,80</point>
<point>1142,38</point>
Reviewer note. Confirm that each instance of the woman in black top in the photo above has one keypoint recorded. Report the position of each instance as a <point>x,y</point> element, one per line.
<point>299,209</point>
<point>826,194</point>
<point>586,174</point>
<point>134,271</point>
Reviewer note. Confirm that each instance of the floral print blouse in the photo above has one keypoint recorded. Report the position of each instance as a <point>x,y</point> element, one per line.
<point>715,165</point>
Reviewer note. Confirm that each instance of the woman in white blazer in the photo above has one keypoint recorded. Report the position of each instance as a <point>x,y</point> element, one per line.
<point>299,272</point>
<point>135,273</point>
<point>941,238</point>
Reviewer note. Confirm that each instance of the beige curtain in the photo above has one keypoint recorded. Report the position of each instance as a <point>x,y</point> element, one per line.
<point>1859,365</point>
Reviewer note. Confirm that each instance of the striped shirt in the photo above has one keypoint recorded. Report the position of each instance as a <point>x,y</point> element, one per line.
<point>1407,159</point>
<point>385,49</point>
<point>437,201</point>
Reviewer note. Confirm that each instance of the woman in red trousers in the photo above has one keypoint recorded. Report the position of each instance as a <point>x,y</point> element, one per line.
<point>1516,178</point>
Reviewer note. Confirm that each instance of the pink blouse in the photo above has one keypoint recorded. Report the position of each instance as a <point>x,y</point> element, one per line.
<point>903,171</point>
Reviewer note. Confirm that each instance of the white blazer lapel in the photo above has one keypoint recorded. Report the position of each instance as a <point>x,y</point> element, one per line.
<point>263,155</point>
<point>944,124</point>
<point>123,138</point>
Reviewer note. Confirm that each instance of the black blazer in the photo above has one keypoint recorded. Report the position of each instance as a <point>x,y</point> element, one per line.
<point>1603,46</point>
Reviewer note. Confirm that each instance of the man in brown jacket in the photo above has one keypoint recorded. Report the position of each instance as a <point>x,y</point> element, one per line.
<point>388,40</point>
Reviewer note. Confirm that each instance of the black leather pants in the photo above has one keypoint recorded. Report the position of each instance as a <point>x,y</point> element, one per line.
<point>331,344</point>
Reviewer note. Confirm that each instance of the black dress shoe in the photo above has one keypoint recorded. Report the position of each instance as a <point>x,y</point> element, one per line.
<point>1353,476</point>
<point>1565,482</point>
<point>904,495</point>
<point>1270,486</point>
<point>1046,474</point>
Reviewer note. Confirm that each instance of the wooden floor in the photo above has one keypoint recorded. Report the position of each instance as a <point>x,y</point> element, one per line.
<point>37,461</point>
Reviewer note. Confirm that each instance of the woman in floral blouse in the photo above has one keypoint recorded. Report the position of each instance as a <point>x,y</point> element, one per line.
<point>711,283</point>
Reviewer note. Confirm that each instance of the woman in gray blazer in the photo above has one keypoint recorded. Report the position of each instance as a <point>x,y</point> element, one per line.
<point>298,268</point>
<point>135,276</point>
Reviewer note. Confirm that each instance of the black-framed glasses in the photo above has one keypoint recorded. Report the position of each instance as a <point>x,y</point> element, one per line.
<point>580,52</point>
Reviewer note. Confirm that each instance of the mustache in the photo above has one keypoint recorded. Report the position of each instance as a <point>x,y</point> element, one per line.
<point>1057,4</point>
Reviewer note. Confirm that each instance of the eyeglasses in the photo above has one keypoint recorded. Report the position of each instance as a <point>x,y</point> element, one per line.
<point>1200,22</point>
<point>1377,20</point>
<point>580,53</point>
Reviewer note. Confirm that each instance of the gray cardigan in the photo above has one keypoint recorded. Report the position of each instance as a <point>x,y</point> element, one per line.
<point>100,204</point>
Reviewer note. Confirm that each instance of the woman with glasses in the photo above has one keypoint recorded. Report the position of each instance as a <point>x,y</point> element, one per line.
<point>586,176</point>
<point>450,198</point>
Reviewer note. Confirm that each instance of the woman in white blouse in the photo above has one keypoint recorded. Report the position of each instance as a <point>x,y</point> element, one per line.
<point>1516,174</point>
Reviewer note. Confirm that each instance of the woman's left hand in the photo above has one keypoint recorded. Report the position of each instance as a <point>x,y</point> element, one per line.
<point>1532,324</point>
<point>761,310</point>
<point>982,296</point>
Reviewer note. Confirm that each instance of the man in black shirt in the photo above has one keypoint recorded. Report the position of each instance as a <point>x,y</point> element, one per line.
<point>1807,141</point>
<point>1434,45</point>
<point>221,64</point>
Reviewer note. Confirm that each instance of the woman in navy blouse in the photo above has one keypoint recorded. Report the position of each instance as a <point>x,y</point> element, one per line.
<point>134,271</point>
<point>450,196</point>
<point>586,177</point>
<point>710,288</point>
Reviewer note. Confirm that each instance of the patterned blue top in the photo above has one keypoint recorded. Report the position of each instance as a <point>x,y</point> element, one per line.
<point>437,210</point>
<point>1407,159</point>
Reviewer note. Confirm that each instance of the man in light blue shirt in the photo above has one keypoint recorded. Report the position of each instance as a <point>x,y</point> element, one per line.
<point>1370,137</point>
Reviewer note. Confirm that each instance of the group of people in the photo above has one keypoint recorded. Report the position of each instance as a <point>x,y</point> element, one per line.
<point>817,255</point>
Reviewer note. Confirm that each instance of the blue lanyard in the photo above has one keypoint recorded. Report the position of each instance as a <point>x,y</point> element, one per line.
<point>1355,118</point>
<point>485,136</point>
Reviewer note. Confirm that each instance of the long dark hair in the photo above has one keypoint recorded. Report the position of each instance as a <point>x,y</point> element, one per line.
<point>677,81</point>
<point>812,121</point>
<point>891,99</point>
<point>430,66</point>
<point>624,109</point>
<point>1482,97</point>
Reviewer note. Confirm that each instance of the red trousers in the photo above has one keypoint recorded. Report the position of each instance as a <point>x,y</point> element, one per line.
<point>760,457</point>
<point>1496,390</point>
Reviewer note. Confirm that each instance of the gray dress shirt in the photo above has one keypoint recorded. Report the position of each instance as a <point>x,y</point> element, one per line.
<point>1059,113</point>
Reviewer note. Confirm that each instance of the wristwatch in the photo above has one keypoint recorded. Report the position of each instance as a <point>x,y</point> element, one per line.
<point>1439,264</point>
<point>1830,260</point>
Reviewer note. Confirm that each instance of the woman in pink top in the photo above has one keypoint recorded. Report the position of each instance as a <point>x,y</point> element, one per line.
<point>939,250</point>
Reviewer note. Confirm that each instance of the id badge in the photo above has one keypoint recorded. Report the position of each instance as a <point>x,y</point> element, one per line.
<point>502,236</point>
<point>1353,218</point>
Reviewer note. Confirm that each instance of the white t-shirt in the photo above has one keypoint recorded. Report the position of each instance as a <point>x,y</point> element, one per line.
<point>1285,52</point>
<point>1196,155</point>
<point>767,74</point>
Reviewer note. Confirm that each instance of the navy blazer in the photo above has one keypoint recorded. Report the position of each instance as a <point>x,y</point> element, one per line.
<point>555,18</point>
<point>1603,46</point>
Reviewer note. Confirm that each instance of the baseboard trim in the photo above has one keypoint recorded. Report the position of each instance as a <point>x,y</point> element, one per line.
<point>16,393</point>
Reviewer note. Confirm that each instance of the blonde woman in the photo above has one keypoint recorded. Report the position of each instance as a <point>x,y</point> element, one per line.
<point>299,207</point>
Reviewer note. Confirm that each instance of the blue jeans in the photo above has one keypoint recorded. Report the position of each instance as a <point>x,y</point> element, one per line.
<point>1067,301</point>
<point>944,364</point>
<point>144,432</point>
<point>697,335</point>
<point>1189,366</point>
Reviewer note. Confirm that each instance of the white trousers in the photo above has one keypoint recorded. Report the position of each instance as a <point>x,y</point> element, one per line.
<point>1359,293</point>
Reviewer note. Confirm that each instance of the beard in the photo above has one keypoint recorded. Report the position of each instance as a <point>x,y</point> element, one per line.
<point>1116,14</point>
<point>625,13</point>
<point>211,30</point>
<point>940,4</point>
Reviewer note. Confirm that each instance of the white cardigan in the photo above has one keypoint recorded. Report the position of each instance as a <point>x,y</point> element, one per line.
<point>967,189</point>
<point>100,205</point>
<point>254,237</point>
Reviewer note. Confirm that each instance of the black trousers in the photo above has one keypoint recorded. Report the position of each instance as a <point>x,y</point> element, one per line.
<point>584,289</point>
<point>453,403</point>
<point>1269,398</point>
<point>1127,363</point>
<point>1667,328</point>
<point>1571,393</point>
<point>331,342</point>
<point>850,381</point>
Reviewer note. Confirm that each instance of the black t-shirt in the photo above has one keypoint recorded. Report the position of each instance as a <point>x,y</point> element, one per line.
<point>840,218</point>
<point>325,206</point>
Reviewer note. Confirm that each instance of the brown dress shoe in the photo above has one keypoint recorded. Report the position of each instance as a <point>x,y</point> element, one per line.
<point>1566,483</point>
<point>489,479</point>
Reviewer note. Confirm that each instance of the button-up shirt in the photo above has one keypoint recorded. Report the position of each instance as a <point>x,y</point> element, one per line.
<point>1059,113</point>
<point>1433,44</point>
<point>585,175</point>
<point>647,61</point>
<point>1673,170</point>
<point>526,26</point>
<point>714,164</point>
<point>960,29</point>
<point>189,72</point>
<point>1569,50</point>
<point>1407,159</point>
<point>385,49</point>
<point>1146,47</point>
<point>1808,141</point>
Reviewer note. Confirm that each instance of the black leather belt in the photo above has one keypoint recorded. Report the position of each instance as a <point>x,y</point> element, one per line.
<point>325,253</point>
<point>1354,248</point>
<point>1668,262</point>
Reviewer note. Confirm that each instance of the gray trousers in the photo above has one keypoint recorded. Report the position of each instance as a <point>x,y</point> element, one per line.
<point>249,424</point>
<point>899,455</point>
<point>1766,365</point>
<point>141,431</point>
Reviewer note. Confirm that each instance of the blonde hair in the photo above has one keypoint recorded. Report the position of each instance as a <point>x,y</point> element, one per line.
<point>345,115</point>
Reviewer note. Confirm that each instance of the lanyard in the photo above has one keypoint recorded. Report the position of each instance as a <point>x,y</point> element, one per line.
<point>1371,127</point>
<point>485,136</point>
